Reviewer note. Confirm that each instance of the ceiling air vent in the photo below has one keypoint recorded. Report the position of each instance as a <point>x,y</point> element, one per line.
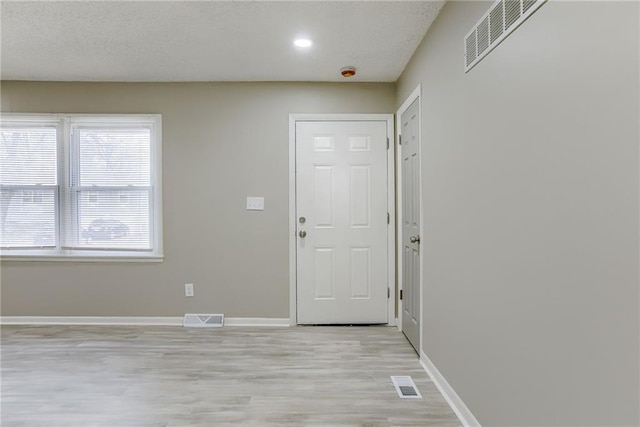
<point>503,17</point>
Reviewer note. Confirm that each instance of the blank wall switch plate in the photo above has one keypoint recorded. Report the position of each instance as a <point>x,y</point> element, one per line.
<point>188,289</point>
<point>255,203</point>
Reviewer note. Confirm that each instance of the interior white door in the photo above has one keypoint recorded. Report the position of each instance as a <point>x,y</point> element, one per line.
<point>341,207</point>
<point>410,155</point>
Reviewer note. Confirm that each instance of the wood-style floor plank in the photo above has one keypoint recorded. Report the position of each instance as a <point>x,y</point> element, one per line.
<point>153,376</point>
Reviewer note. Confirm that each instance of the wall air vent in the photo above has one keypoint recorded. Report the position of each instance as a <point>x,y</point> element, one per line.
<point>503,17</point>
<point>203,320</point>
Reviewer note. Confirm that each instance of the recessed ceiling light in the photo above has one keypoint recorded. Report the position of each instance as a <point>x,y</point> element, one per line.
<point>303,42</point>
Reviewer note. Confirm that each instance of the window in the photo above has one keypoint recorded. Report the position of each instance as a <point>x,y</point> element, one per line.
<point>80,186</point>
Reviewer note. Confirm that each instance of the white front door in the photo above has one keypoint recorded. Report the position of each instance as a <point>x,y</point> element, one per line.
<point>410,155</point>
<point>341,213</point>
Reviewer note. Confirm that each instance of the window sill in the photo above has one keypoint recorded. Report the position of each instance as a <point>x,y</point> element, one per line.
<point>82,258</point>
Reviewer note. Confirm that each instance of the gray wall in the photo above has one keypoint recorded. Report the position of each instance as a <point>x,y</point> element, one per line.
<point>221,143</point>
<point>530,192</point>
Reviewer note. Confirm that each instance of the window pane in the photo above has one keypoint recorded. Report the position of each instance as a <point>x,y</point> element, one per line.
<point>114,156</point>
<point>28,218</point>
<point>114,219</point>
<point>28,155</point>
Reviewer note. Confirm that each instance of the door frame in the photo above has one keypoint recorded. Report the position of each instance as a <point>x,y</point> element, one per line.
<point>391,229</point>
<point>416,94</point>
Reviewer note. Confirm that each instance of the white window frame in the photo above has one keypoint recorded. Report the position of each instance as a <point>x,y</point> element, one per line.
<point>64,167</point>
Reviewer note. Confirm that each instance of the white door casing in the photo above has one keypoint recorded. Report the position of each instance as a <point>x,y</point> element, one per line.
<point>344,261</point>
<point>410,223</point>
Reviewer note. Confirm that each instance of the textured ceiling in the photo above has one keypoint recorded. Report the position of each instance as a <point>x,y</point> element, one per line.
<point>209,40</point>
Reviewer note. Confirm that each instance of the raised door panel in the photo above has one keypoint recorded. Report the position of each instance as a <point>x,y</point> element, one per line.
<point>360,273</point>
<point>324,273</point>
<point>360,195</point>
<point>323,196</point>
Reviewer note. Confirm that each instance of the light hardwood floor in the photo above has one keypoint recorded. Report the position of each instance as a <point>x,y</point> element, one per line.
<point>169,376</point>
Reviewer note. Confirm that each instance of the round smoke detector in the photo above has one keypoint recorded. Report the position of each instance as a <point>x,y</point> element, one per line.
<point>348,71</point>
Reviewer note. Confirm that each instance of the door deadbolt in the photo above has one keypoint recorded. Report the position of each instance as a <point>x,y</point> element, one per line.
<point>302,220</point>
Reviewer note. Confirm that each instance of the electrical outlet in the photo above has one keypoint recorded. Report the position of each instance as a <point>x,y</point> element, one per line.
<point>188,289</point>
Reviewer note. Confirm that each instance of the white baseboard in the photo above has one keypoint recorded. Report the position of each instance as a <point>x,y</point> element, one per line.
<point>132,321</point>
<point>462,412</point>
<point>90,320</point>
<point>255,321</point>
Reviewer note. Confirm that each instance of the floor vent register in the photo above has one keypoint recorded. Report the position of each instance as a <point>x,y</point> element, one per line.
<point>405,387</point>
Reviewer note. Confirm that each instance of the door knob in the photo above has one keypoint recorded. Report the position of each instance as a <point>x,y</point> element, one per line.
<point>414,239</point>
<point>302,234</point>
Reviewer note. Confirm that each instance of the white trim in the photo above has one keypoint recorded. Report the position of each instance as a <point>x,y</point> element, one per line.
<point>81,117</point>
<point>338,118</point>
<point>86,258</point>
<point>406,104</point>
<point>391,235</point>
<point>91,320</point>
<point>156,171</point>
<point>455,402</point>
<point>293,260</point>
<point>133,321</point>
<point>416,94</point>
<point>256,321</point>
<point>391,229</point>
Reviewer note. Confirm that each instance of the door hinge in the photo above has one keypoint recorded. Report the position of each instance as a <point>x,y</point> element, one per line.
<point>388,218</point>
<point>400,293</point>
<point>399,139</point>
<point>387,143</point>
<point>388,293</point>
